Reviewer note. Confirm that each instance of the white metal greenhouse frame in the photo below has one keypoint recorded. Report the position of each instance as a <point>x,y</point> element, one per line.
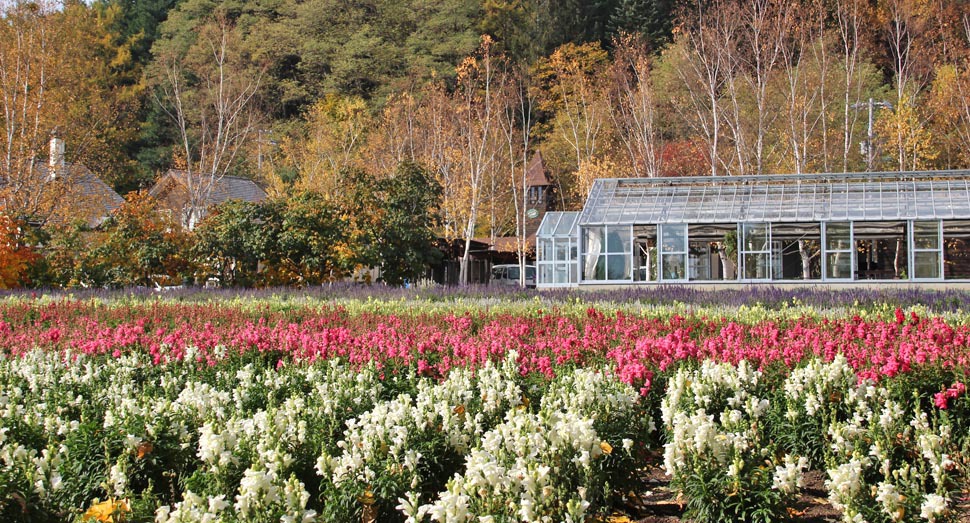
<point>596,245</point>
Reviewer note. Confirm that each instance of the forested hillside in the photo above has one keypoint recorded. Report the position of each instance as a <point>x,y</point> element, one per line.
<point>307,96</point>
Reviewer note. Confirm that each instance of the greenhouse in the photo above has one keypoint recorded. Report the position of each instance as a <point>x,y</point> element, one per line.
<point>900,226</point>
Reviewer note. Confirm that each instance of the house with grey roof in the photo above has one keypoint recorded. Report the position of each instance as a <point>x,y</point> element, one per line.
<point>60,193</point>
<point>92,200</point>
<point>172,191</point>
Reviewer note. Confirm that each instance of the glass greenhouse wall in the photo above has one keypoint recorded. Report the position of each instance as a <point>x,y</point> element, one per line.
<point>556,250</point>
<point>912,226</point>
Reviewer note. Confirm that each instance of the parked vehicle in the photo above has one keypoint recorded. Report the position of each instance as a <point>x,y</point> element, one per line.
<point>509,275</point>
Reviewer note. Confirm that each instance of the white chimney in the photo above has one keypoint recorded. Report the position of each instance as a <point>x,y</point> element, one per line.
<point>56,156</point>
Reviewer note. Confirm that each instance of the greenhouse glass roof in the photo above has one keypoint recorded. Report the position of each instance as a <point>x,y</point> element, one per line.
<point>558,224</point>
<point>925,195</point>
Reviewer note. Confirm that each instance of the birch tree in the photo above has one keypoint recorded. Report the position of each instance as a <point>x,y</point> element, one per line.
<point>850,16</point>
<point>571,82</point>
<point>753,60</point>
<point>704,67</point>
<point>208,90</point>
<point>477,118</point>
<point>517,123</point>
<point>57,73</point>
<point>906,26</point>
<point>805,67</point>
<point>394,140</point>
<point>438,147</point>
<point>633,107</point>
<point>950,97</point>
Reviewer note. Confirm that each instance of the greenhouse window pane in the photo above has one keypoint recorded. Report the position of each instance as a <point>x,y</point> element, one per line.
<point>927,264</point>
<point>754,237</point>
<point>545,249</point>
<point>926,235</point>
<point>674,266</point>
<point>756,266</point>
<point>674,237</point>
<point>837,236</point>
<point>618,240</point>
<point>594,267</point>
<point>548,224</point>
<point>593,240</point>
<point>561,274</point>
<point>546,274</point>
<point>839,265</point>
<point>618,267</point>
<point>561,250</point>
<point>566,224</point>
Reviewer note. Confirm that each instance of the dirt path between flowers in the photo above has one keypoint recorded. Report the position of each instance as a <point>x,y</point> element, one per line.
<point>658,504</point>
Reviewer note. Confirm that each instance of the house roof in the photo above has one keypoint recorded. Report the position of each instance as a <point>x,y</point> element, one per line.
<point>535,173</point>
<point>225,188</point>
<point>511,244</point>
<point>96,198</point>
<point>88,185</point>
<point>923,195</point>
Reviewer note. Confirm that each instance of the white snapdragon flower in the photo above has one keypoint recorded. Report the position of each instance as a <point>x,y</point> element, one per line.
<point>192,509</point>
<point>890,414</point>
<point>890,500</point>
<point>412,508</point>
<point>788,477</point>
<point>451,507</point>
<point>118,480</point>
<point>844,483</point>
<point>576,509</point>
<point>218,503</point>
<point>933,506</point>
<point>257,488</point>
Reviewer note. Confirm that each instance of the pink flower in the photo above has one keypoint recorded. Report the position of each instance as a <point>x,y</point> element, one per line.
<point>958,388</point>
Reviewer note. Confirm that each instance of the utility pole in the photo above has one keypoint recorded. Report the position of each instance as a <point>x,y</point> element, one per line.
<point>867,147</point>
<point>259,147</point>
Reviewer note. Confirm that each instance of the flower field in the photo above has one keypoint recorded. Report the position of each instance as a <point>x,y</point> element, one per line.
<point>290,409</point>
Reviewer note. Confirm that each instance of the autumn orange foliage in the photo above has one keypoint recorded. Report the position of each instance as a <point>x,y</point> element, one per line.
<point>15,257</point>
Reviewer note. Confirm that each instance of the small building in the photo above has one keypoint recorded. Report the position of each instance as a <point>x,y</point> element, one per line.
<point>824,228</point>
<point>172,193</point>
<point>539,200</point>
<point>64,193</point>
<point>448,270</point>
<point>539,195</point>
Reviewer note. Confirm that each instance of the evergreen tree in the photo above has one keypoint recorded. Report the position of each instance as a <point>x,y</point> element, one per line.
<point>651,19</point>
<point>138,22</point>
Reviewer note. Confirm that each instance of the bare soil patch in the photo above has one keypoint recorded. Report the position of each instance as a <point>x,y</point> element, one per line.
<point>657,503</point>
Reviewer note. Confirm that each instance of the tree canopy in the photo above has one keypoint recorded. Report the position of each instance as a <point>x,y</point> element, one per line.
<point>332,106</point>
